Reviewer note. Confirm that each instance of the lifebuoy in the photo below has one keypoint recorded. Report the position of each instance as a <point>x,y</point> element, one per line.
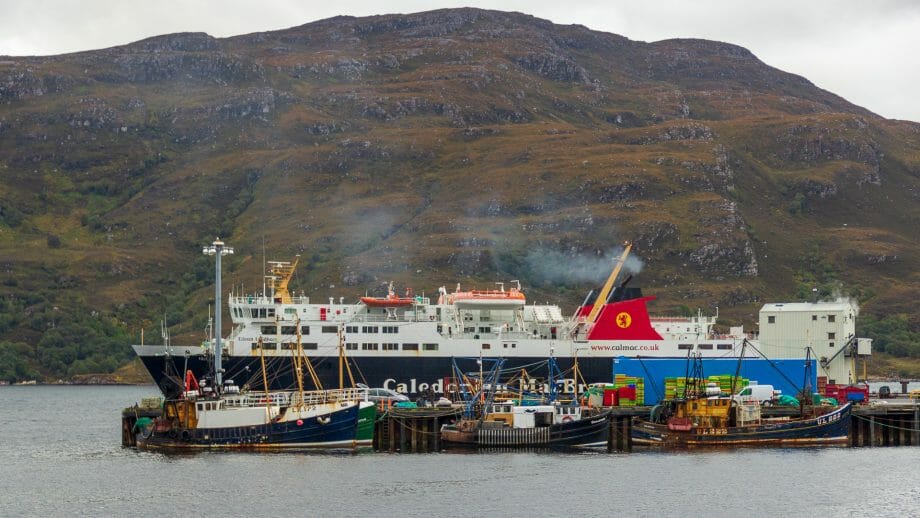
<point>567,419</point>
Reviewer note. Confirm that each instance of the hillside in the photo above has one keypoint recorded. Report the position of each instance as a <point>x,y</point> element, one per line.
<point>434,148</point>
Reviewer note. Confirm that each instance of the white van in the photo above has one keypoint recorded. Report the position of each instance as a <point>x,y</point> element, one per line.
<point>765,394</point>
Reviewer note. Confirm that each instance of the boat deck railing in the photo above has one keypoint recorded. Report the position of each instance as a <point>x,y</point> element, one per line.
<point>292,398</point>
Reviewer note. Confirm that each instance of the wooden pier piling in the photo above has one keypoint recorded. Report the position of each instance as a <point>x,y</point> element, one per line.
<point>412,430</point>
<point>886,425</point>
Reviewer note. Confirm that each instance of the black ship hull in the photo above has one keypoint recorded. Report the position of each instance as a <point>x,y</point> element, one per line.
<point>404,374</point>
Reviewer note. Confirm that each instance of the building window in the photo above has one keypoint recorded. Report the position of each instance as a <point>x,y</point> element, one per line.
<point>707,347</point>
<point>269,330</point>
<point>831,336</point>
<point>832,318</point>
<point>685,347</point>
<point>351,346</point>
<point>304,330</point>
<point>486,347</point>
<point>289,330</point>
<point>410,347</point>
<point>390,329</point>
<point>368,347</point>
<point>330,329</point>
<point>724,347</point>
<point>771,320</point>
<point>485,329</point>
<point>830,344</point>
<point>390,347</point>
<point>430,347</point>
<point>814,318</point>
<point>351,329</point>
<point>369,329</point>
<point>310,346</point>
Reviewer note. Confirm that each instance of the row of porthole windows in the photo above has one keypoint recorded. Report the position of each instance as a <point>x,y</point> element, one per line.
<point>286,346</point>
<point>353,346</point>
<point>706,347</point>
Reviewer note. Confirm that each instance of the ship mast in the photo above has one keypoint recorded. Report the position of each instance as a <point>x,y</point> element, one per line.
<point>218,250</point>
<point>605,292</point>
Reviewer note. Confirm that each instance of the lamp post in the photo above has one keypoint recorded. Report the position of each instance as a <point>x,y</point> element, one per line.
<point>217,249</point>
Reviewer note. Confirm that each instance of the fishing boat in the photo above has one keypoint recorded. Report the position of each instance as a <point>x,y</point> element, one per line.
<point>273,421</point>
<point>525,421</point>
<point>705,417</point>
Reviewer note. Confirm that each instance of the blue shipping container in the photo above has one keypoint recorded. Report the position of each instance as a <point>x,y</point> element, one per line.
<point>779,372</point>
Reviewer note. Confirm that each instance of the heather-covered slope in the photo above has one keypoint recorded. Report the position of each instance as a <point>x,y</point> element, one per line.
<point>454,145</point>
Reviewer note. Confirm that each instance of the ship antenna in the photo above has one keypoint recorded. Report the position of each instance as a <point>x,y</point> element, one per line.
<point>263,265</point>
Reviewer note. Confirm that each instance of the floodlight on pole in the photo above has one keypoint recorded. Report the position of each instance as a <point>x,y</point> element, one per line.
<point>218,250</point>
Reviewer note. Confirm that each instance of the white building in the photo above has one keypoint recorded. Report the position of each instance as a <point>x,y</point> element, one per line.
<point>829,328</point>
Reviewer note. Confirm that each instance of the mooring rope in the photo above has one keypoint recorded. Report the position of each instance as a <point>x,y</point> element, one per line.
<point>871,420</point>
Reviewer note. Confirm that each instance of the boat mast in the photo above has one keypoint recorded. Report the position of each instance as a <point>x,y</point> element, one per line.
<point>268,405</point>
<point>298,363</point>
<point>341,357</point>
<point>218,250</point>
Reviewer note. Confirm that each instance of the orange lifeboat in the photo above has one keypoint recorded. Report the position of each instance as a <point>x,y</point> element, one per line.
<point>391,300</point>
<point>489,298</point>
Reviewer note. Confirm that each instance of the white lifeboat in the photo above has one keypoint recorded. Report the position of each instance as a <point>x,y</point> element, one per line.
<point>499,298</point>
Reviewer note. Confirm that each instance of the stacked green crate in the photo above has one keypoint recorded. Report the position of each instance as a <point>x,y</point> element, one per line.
<point>621,380</point>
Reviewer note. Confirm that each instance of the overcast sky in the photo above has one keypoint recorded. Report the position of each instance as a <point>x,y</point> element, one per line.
<point>865,51</point>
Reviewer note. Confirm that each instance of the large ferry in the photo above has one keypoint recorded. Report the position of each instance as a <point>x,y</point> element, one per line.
<point>407,343</point>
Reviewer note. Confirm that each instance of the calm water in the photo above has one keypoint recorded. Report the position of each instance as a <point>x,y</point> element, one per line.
<point>60,454</point>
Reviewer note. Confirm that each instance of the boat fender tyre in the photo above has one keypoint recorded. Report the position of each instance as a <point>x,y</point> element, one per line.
<point>172,434</point>
<point>186,436</point>
<point>567,419</point>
